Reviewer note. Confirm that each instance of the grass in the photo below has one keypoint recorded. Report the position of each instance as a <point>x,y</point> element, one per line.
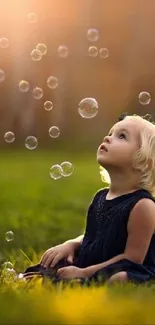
<point>42,213</point>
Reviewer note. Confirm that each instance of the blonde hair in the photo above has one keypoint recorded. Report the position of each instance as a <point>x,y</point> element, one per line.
<point>142,157</point>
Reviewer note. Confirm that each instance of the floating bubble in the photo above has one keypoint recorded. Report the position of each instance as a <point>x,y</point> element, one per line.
<point>93,34</point>
<point>9,236</point>
<point>56,172</point>
<point>2,75</point>
<point>52,82</point>
<point>144,98</point>
<point>42,48</point>
<point>36,55</point>
<point>9,274</point>
<point>54,132</point>
<point>67,168</point>
<point>9,137</point>
<point>32,17</point>
<point>23,86</point>
<point>63,51</point>
<point>48,105</point>
<point>8,265</point>
<point>93,51</point>
<point>31,142</point>
<point>4,42</point>
<point>37,93</point>
<point>88,107</point>
<point>103,53</point>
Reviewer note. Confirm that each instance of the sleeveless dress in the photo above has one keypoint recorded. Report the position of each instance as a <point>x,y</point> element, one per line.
<point>106,235</point>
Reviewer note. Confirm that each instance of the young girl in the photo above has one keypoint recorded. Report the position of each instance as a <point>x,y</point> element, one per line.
<point>119,240</point>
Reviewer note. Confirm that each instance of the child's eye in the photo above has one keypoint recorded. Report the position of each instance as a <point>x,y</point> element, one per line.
<point>123,135</point>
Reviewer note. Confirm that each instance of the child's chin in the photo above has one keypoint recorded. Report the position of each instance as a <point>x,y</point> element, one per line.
<point>100,160</point>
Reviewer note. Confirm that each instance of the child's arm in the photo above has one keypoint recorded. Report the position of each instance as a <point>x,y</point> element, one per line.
<point>77,241</point>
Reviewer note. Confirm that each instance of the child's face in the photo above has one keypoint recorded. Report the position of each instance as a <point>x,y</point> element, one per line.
<point>120,144</point>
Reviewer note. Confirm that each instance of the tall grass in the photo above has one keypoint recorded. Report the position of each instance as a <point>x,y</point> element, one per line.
<point>43,212</point>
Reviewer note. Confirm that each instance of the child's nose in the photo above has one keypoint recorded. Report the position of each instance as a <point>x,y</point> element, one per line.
<point>107,139</point>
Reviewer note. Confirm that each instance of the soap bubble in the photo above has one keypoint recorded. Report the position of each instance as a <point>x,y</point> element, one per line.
<point>8,265</point>
<point>9,137</point>
<point>42,48</point>
<point>67,168</point>
<point>63,51</point>
<point>52,82</point>
<point>31,142</point>
<point>88,107</point>
<point>103,53</point>
<point>2,75</point>
<point>9,236</point>
<point>54,132</point>
<point>9,274</point>
<point>23,86</point>
<point>144,98</point>
<point>56,172</point>
<point>48,105</point>
<point>93,51</point>
<point>32,17</point>
<point>36,55</point>
<point>37,93</point>
<point>4,42</point>
<point>93,34</point>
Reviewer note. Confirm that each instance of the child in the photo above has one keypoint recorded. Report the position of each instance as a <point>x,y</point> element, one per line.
<point>119,241</point>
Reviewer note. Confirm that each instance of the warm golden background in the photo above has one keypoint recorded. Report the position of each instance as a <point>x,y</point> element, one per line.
<point>126,28</point>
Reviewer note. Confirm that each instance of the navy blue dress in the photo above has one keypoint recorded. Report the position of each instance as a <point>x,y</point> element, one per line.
<point>105,237</point>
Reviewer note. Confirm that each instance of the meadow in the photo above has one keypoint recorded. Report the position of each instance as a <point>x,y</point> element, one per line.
<point>42,213</point>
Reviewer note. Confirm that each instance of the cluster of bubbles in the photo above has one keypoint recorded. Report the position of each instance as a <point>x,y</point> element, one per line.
<point>93,51</point>
<point>8,272</point>
<point>31,142</point>
<point>64,169</point>
<point>39,52</point>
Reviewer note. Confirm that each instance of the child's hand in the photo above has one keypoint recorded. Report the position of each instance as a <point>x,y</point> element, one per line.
<point>70,272</point>
<point>54,254</point>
